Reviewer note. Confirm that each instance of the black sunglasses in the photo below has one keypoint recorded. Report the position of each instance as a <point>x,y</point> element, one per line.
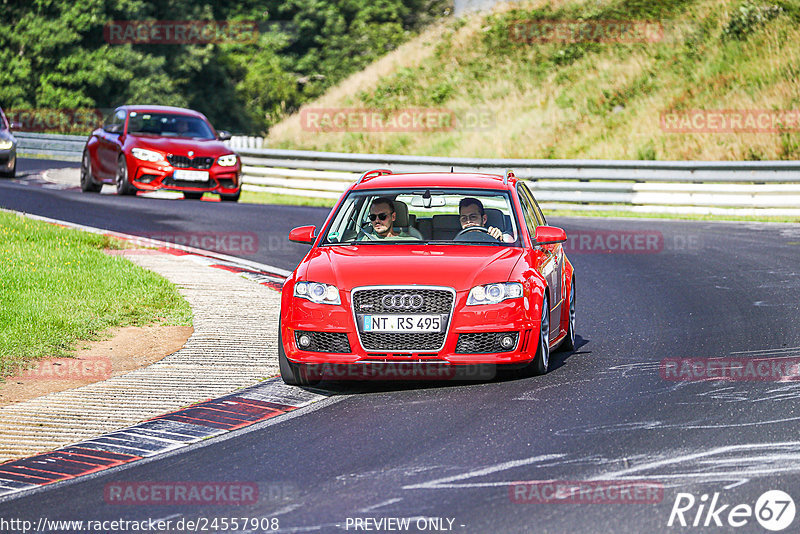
<point>381,216</point>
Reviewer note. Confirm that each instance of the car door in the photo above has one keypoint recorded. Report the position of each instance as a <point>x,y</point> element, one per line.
<point>551,262</point>
<point>109,145</point>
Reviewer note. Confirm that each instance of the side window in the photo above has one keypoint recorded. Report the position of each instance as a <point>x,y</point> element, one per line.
<point>537,212</point>
<point>119,117</point>
<point>528,213</point>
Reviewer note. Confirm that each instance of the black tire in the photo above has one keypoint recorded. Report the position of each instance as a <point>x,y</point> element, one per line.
<point>193,195</point>
<point>88,185</point>
<point>541,361</point>
<point>231,198</point>
<point>569,342</point>
<point>12,173</point>
<point>291,373</point>
<point>123,186</point>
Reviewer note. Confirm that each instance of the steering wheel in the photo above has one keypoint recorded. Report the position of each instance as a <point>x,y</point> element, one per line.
<point>472,229</point>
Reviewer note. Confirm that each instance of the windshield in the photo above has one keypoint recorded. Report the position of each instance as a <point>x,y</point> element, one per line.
<point>168,125</point>
<point>433,216</point>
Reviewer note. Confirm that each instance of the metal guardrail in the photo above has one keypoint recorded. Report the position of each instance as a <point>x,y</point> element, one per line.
<point>752,187</point>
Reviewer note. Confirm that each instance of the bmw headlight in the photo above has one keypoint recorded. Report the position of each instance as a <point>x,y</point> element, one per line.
<point>316,292</point>
<point>5,144</point>
<point>494,293</point>
<point>228,160</point>
<point>147,155</point>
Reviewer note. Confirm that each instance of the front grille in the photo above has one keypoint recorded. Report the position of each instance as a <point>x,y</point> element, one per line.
<point>170,181</point>
<point>413,341</point>
<point>185,162</point>
<point>434,302</point>
<point>324,342</point>
<point>484,343</point>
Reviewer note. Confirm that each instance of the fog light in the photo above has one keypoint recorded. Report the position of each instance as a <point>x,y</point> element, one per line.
<point>507,342</point>
<point>304,340</point>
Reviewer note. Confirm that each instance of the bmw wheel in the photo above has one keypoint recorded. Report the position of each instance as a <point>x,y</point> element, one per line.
<point>123,185</point>
<point>88,185</point>
<point>231,198</point>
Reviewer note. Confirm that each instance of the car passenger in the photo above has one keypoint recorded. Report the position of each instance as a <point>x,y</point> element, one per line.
<point>471,213</point>
<point>382,216</point>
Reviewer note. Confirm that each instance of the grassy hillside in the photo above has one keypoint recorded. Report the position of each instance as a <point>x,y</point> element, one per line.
<point>581,99</point>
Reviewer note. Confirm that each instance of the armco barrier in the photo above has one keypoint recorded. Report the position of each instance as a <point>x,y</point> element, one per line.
<point>732,187</point>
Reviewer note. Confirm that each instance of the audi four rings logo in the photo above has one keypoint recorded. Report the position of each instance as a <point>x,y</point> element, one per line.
<point>402,302</point>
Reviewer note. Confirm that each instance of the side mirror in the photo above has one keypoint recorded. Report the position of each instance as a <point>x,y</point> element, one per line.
<point>113,128</point>
<point>549,235</point>
<point>15,125</point>
<point>303,234</point>
<point>222,135</point>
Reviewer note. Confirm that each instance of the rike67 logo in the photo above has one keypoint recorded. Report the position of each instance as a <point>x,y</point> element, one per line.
<point>774,510</point>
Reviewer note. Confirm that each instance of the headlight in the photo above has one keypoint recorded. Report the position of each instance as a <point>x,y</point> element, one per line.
<point>5,145</point>
<point>228,160</point>
<point>316,292</point>
<point>147,155</point>
<point>494,293</point>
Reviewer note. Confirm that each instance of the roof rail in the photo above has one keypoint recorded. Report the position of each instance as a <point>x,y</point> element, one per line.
<point>373,174</point>
<point>509,174</point>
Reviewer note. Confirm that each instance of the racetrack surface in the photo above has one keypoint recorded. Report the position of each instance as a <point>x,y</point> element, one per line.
<point>452,449</point>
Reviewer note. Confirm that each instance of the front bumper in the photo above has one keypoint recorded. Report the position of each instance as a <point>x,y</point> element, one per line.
<point>150,176</point>
<point>510,317</point>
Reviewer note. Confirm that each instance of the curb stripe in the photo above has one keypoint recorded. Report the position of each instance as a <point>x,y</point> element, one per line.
<point>158,435</point>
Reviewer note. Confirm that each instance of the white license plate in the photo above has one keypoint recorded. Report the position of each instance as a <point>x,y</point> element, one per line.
<point>402,323</point>
<point>190,176</point>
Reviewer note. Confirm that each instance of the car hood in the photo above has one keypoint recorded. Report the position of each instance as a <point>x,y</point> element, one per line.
<point>181,147</point>
<point>458,266</point>
<point>5,135</point>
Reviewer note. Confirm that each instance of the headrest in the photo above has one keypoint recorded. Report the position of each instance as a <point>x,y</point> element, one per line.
<point>494,217</point>
<point>401,213</point>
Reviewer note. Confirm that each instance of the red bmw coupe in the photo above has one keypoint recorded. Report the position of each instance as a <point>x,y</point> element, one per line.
<point>433,269</point>
<point>146,148</point>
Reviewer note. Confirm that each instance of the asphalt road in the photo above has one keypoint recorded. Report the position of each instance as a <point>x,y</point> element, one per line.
<point>452,450</point>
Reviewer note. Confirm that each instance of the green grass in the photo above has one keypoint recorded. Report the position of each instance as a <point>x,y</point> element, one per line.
<point>58,287</point>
